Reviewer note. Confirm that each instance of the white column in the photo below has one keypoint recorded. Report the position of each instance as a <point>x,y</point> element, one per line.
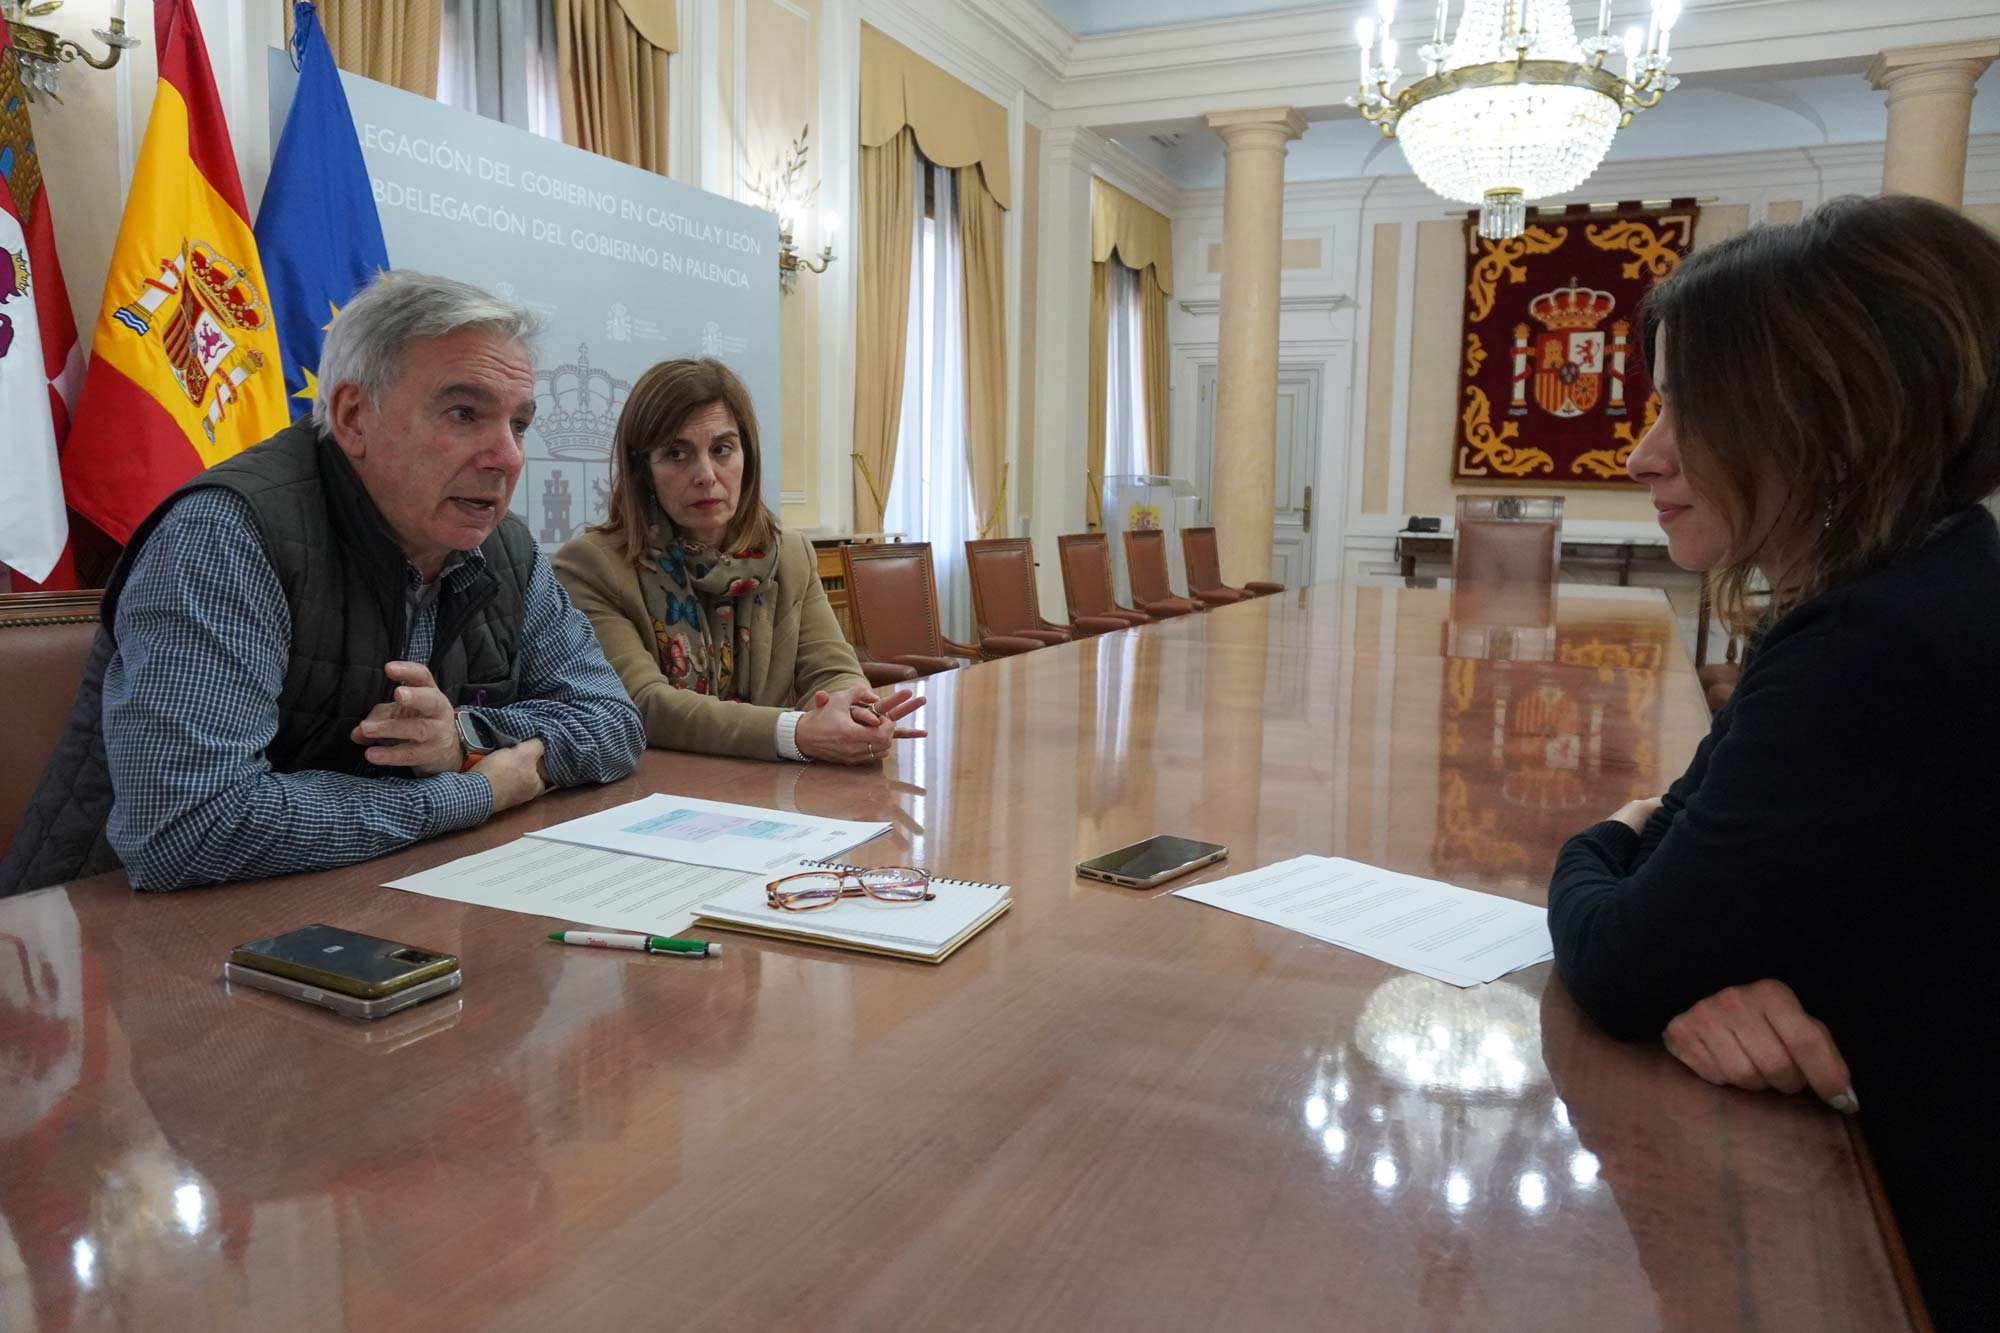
<point>837,134</point>
<point>1013,502</point>
<point>1246,408</point>
<point>1930,115</point>
<point>1062,357</point>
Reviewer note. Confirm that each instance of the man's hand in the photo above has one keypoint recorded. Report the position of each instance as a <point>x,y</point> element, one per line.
<point>1758,1036</point>
<point>853,726</point>
<point>515,774</point>
<point>417,730</point>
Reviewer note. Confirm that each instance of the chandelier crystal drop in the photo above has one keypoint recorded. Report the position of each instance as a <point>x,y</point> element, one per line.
<point>1515,107</point>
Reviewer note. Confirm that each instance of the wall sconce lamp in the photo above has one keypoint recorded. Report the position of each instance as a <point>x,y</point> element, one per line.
<point>39,54</point>
<point>789,261</point>
<point>784,191</point>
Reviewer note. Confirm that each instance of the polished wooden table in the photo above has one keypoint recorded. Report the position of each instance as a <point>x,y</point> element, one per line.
<point>1111,1110</point>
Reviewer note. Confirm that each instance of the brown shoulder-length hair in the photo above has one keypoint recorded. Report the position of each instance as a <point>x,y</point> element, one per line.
<point>656,409</point>
<point>1857,353</point>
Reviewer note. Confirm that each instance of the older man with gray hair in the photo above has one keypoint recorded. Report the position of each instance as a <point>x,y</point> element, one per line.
<point>337,642</point>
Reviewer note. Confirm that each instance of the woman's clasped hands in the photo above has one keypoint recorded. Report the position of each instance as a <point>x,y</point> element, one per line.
<point>855,725</point>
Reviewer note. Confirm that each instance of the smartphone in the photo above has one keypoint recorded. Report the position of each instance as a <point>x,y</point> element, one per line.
<point>1151,861</point>
<point>353,1006</point>
<point>363,976</point>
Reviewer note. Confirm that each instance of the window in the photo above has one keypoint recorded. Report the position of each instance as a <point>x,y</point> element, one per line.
<point>1125,451</point>
<point>930,490</point>
<point>498,58</point>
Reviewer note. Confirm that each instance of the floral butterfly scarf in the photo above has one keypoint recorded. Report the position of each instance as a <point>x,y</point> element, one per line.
<point>702,604</point>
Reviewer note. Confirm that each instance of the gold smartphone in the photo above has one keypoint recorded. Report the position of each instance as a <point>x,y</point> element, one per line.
<point>1152,861</point>
<point>325,964</point>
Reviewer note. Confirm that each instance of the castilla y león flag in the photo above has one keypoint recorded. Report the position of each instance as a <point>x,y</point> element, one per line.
<point>39,362</point>
<point>184,368</point>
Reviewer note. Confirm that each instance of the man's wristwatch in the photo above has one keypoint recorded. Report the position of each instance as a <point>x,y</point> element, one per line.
<point>476,739</point>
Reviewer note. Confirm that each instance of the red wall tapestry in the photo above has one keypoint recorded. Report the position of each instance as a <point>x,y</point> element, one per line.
<point>1551,385</point>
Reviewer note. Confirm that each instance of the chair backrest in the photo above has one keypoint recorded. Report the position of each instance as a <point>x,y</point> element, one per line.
<point>1513,620</point>
<point>1146,566</point>
<point>44,641</point>
<point>892,589</point>
<point>1513,538</point>
<point>1003,586</point>
<point>1204,566</point>
<point>1086,571</point>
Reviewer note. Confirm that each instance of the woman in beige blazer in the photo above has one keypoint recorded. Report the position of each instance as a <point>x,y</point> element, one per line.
<point>712,616</point>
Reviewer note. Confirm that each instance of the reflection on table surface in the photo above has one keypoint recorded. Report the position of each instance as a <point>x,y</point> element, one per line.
<point>1110,1109</point>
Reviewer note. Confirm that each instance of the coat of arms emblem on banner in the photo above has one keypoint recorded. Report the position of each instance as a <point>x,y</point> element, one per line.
<point>210,307</point>
<point>1551,384</point>
<point>1569,352</point>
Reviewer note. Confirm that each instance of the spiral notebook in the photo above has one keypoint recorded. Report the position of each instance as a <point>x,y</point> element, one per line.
<point>929,931</point>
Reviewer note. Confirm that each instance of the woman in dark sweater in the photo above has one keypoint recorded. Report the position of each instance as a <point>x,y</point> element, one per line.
<point>1816,902</point>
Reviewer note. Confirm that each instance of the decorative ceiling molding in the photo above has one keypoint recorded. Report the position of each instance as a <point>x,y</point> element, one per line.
<point>957,37</point>
<point>1033,30</point>
<point>1117,165</point>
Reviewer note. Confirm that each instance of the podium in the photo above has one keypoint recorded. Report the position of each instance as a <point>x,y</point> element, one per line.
<point>1141,501</point>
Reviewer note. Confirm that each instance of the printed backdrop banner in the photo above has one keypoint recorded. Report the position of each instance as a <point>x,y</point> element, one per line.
<point>1551,385</point>
<point>625,267</point>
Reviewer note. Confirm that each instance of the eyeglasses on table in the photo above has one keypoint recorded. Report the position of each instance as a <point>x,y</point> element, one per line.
<point>817,890</point>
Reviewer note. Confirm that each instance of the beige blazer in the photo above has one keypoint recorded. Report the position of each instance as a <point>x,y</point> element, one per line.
<point>806,650</point>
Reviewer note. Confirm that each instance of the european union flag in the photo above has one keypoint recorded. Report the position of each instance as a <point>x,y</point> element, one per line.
<point>317,230</point>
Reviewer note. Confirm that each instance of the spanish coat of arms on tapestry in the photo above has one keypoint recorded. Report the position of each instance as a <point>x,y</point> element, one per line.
<point>1551,386</point>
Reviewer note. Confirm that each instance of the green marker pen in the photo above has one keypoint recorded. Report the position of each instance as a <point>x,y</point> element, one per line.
<point>675,944</point>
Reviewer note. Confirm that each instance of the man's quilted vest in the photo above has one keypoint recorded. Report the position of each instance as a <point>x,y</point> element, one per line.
<point>342,572</point>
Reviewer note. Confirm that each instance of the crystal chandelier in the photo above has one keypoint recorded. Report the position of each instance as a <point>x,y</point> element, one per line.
<point>1515,107</point>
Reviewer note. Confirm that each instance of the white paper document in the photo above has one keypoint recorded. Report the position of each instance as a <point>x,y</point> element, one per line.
<point>1422,925</point>
<point>582,886</point>
<point>711,833</point>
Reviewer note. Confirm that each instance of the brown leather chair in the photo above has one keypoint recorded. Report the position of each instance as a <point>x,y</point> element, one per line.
<point>892,590</point>
<point>1005,604</point>
<point>1513,620</point>
<point>1204,568</point>
<point>1086,569</point>
<point>1507,538</point>
<point>44,639</point>
<point>1146,566</point>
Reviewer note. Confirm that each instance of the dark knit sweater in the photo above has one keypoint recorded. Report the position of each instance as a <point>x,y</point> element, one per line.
<point>1836,831</point>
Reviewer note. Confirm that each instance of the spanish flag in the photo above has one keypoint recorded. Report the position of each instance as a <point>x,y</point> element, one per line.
<point>184,367</point>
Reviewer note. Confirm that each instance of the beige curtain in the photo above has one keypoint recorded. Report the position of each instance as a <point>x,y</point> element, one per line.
<point>611,76</point>
<point>390,41</point>
<point>885,206</point>
<point>955,126</point>
<point>1100,333</point>
<point>1153,356</point>
<point>981,246</point>
<point>1123,230</point>
<point>1142,237</point>
<point>910,105</point>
